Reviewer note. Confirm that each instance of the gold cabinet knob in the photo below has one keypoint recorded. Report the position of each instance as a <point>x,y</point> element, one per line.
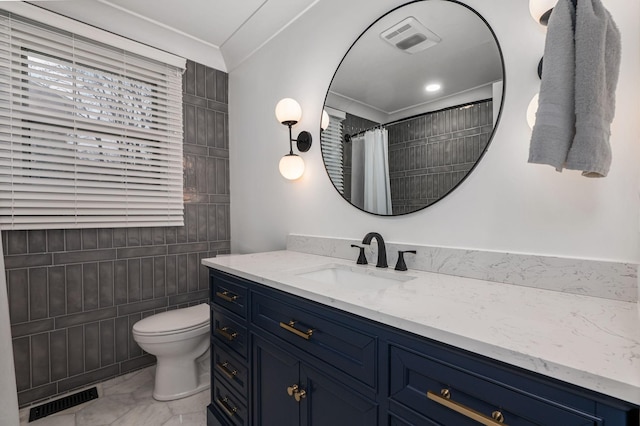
<point>497,416</point>
<point>299,395</point>
<point>292,389</point>
<point>446,393</point>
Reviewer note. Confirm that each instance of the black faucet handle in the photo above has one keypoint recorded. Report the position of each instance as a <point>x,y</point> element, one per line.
<point>362,259</point>
<point>400,265</point>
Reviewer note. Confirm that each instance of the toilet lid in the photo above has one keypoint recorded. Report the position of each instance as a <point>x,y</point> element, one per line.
<point>174,321</point>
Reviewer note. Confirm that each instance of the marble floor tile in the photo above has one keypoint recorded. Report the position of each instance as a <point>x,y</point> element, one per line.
<point>152,414</point>
<point>191,419</point>
<point>127,401</point>
<point>191,404</point>
<point>105,410</point>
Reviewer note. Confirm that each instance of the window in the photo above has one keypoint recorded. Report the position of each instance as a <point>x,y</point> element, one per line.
<point>90,135</point>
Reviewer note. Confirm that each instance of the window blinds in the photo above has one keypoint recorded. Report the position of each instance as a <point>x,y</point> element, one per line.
<point>90,136</point>
<point>332,150</point>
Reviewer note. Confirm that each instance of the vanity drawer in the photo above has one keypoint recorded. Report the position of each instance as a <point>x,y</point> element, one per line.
<point>233,372</point>
<point>229,292</point>
<point>230,332</point>
<point>232,408</point>
<point>450,395</point>
<point>328,338</point>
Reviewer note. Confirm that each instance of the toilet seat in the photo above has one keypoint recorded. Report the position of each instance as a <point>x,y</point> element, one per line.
<point>174,322</point>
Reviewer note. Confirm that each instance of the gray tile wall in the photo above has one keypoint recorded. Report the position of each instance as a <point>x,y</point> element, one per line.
<point>429,155</point>
<point>75,294</point>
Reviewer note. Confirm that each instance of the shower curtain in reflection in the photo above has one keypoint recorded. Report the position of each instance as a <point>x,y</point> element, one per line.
<point>370,187</point>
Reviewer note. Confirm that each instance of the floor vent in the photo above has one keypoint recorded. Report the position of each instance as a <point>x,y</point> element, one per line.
<point>53,407</point>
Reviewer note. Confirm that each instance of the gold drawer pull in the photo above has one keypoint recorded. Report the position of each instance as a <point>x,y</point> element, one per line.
<point>498,418</point>
<point>224,403</point>
<point>227,369</point>
<point>291,328</point>
<point>227,295</point>
<point>227,333</point>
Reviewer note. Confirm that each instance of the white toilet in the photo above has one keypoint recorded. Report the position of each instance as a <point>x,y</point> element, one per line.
<point>180,340</point>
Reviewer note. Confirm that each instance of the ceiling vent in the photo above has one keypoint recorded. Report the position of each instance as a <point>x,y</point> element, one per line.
<point>410,36</point>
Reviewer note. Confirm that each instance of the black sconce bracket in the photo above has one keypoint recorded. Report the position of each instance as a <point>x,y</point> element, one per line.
<point>303,141</point>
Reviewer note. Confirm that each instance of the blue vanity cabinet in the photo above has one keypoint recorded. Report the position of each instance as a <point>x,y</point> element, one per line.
<point>297,362</point>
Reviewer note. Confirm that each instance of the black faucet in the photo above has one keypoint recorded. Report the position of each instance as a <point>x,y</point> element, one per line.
<point>382,251</point>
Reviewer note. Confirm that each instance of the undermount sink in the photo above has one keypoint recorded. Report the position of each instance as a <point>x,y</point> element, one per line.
<point>356,277</point>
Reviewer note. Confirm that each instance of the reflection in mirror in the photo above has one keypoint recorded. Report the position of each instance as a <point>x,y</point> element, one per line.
<point>412,107</point>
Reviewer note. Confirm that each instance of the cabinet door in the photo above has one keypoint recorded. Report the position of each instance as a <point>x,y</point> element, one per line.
<point>273,372</point>
<point>330,403</point>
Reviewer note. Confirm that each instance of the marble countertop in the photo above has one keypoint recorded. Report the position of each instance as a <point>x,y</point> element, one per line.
<point>587,341</point>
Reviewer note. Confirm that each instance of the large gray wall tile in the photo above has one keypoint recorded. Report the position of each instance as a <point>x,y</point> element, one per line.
<point>90,286</point>
<point>22,358</point>
<point>75,350</point>
<point>73,239</point>
<point>146,277</point>
<point>58,347</point>
<point>133,279</point>
<point>89,239</point>
<point>105,238</point>
<point>92,346</point>
<point>159,283</point>
<point>122,338</point>
<point>38,296</point>
<point>18,289</point>
<point>40,359</point>
<point>74,288</point>
<point>105,283</point>
<point>17,242</point>
<point>107,342</point>
<point>37,240</point>
<point>120,286</point>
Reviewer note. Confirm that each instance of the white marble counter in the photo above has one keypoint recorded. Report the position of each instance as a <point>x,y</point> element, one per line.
<point>587,341</point>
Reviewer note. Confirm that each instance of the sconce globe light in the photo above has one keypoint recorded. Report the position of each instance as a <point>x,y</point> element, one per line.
<point>291,166</point>
<point>288,112</point>
<point>541,10</point>
<point>324,123</point>
<point>532,109</point>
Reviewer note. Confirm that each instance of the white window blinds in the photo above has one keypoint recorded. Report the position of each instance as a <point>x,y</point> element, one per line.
<point>333,148</point>
<point>90,136</point>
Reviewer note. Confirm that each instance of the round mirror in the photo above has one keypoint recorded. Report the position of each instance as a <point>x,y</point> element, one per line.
<point>412,107</point>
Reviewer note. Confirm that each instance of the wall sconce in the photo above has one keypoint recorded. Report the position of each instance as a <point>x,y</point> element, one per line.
<point>324,123</point>
<point>288,112</point>
<point>532,109</point>
<point>541,10</point>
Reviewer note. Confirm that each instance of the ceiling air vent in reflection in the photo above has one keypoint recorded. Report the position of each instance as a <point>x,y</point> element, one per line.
<point>410,36</point>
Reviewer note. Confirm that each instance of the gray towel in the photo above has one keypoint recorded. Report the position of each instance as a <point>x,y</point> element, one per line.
<point>555,120</point>
<point>577,100</point>
<point>597,70</point>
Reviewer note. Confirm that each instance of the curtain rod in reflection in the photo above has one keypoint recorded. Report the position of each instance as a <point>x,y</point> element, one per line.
<point>347,137</point>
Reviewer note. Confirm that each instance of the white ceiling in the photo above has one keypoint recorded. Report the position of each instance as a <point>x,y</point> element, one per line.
<point>217,33</point>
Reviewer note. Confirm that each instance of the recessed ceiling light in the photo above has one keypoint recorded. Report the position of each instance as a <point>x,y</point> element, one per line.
<point>433,87</point>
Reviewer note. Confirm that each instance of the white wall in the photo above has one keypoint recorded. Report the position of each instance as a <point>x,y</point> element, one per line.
<point>505,205</point>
